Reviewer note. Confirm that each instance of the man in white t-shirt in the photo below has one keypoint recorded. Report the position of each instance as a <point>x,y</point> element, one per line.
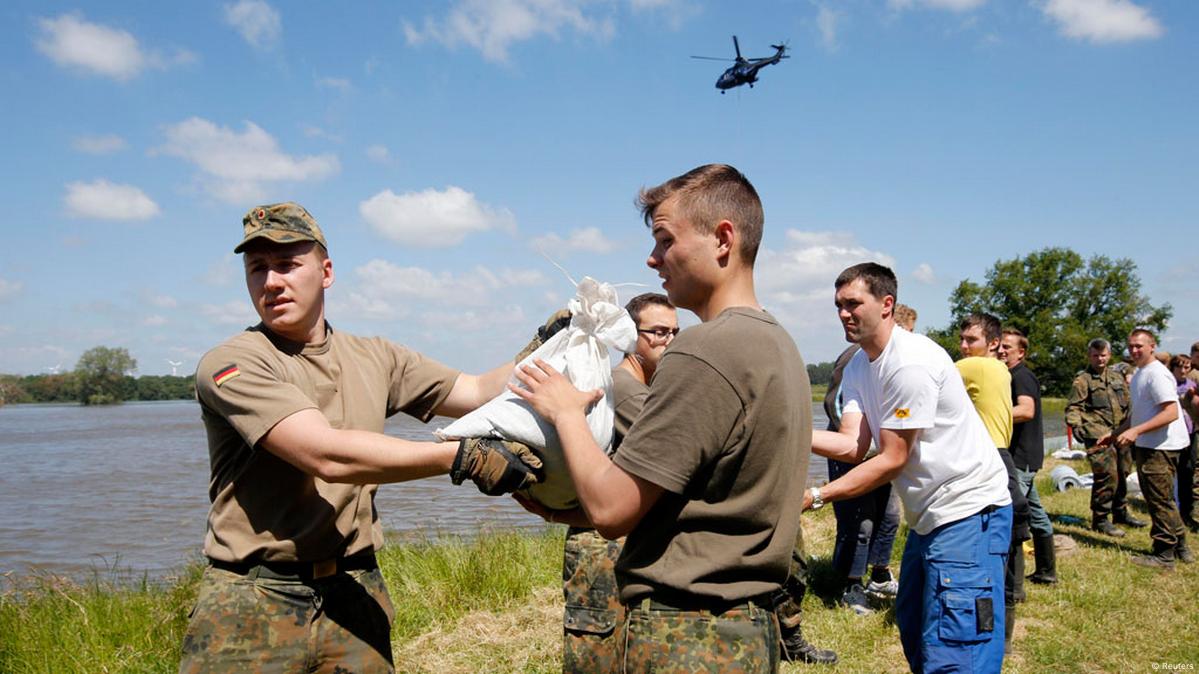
<point>903,392</point>
<point>1157,434</point>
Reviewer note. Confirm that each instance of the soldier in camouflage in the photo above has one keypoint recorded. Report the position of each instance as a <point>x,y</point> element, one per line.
<point>1098,404</point>
<point>297,450</point>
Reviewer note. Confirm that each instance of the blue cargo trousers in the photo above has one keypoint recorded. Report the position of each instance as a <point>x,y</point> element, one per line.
<point>950,604</point>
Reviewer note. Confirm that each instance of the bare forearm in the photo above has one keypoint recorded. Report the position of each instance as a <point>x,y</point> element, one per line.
<point>837,446</point>
<point>1024,410</point>
<point>862,479</point>
<point>363,457</point>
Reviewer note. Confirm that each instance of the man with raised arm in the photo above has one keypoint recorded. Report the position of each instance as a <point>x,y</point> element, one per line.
<point>704,482</point>
<point>903,392</point>
<point>294,412</point>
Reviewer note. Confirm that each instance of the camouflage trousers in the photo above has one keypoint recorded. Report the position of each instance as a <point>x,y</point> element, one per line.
<point>1156,469</point>
<point>1110,468</point>
<point>590,642</point>
<point>335,625</point>
<point>1188,483</point>
<point>788,600</point>
<point>740,640</point>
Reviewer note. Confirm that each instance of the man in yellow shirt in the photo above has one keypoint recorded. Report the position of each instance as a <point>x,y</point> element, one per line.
<point>989,385</point>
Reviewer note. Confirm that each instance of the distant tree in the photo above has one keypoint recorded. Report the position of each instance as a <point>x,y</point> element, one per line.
<point>820,373</point>
<point>1061,303</point>
<point>52,388</point>
<point>11,391</point>
<point>102,374</point>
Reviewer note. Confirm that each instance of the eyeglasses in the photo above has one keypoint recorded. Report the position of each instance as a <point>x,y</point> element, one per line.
<point>661,333</point>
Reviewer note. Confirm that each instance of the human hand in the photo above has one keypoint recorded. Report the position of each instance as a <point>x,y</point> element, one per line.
<point>557,320</point>
<point>495,466</point>
<point>807,500</point>
<point>1126,439</point>
<point>1104,440</point>
<point>550,393</point>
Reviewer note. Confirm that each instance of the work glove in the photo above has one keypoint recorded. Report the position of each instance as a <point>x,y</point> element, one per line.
<point>495,466</point>
<point>557,320</point>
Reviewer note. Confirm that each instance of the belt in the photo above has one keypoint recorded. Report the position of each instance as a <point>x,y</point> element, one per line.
<point>712,605</point>
<point>299,571</point>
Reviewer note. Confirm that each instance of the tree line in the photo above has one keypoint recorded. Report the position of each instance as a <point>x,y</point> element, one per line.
<point>102,376</point>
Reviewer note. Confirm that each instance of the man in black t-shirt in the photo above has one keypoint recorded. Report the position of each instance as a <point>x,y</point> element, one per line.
<point>1028,448</point>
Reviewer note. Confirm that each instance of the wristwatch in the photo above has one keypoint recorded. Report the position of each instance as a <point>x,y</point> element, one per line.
<point>817,500</point>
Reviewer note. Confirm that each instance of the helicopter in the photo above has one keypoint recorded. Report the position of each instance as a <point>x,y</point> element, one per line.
<point>743,70</point>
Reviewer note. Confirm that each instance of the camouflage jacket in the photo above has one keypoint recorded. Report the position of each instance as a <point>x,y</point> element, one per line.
<point>1098,403</point>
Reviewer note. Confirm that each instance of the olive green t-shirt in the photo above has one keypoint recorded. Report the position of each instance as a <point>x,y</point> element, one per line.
<point>727,432</point>
<point>628,397</point>
<point>263,508</point>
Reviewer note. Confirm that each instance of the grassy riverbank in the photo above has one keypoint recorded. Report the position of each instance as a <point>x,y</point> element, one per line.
<point>494,604</point>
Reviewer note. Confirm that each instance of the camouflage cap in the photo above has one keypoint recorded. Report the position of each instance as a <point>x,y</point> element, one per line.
<point>287,222</point>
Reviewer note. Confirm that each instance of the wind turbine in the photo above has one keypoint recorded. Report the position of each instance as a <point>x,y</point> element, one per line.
<point>174,367</point>
<point>54,369</point>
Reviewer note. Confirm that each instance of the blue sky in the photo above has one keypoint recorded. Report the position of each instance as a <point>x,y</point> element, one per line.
<point>441,145</point>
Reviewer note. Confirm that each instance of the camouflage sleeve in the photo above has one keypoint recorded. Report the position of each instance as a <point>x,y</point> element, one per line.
<point>1078,395</point>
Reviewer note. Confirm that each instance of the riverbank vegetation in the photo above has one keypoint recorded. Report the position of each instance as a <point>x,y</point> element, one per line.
<point>493,603</point>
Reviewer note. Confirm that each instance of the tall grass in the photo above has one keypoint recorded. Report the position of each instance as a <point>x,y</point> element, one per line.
<point>493,603</point>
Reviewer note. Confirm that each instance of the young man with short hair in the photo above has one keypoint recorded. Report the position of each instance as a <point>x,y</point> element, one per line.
<point>1157,435</point>
<point>703,482</point>
<point>294,413</point>
<point>903,392</point>
<point>1028,449</point>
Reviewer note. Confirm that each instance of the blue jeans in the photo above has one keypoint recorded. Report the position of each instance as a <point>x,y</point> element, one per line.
<point>866,527</point>
<point>950,609</point>
<point>1038,519</point>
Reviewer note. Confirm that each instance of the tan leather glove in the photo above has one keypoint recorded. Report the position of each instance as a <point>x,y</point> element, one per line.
<point>557,320</point>
<point>495,466</point>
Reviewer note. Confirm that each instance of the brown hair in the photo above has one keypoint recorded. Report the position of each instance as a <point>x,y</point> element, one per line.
<point>644,300</point>
<point>1179,360</point>
<point>1144,331</point>
<point>989,324</point>
<point>709,194</point>
<point>880,280</point>
<point>905,317</point>
<point>1020,338</point>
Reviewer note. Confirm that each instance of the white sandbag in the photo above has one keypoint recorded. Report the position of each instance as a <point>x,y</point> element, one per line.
<point>579,351</point>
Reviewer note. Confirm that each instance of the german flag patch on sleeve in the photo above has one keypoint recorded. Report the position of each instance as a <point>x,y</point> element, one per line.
<point>225,374</point>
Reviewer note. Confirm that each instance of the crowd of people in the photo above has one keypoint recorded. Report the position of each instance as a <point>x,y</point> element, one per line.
<point>686,552</point>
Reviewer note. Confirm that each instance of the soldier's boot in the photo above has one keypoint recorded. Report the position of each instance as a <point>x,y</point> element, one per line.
<point>1162,560</point>
<point>1046,573</point>
<point>795,648</point>
<point>1182,553</point>
<point>1009,626</point>
<point>1105,527</point>
<point>1123,517</point>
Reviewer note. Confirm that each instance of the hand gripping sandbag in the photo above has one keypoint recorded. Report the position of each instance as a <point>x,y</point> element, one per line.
<point>580,352</point>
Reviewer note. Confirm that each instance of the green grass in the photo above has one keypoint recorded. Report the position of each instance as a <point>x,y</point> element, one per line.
<point>493,603</point>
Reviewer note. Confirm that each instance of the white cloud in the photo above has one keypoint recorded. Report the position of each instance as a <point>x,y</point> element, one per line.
<point>102,144</point>
<point>162,301</point>
<point>339,83</point>
<point>1103,21</point>
<point>258,23</point>
<point>432,218</point>
<point>236,166</point>
<point>103,200</point>
<point>73,42</point>
<point>951,5</point>
<point>826,22</point>
<point>154,321</point>
<point>379,153</point>
<point>796,283</point>
<point>225,271</point>
<point>924,273</point>
<point>385,291</point>
<point>585,240</point>
<point>233,312</point>
<point>9,288</point>
<point>492,26</point>
<point>476,320</point>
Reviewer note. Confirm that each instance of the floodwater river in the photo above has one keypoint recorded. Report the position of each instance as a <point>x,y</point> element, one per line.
<point>125,486</point>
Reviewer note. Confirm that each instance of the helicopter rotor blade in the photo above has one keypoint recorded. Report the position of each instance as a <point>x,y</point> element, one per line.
<point>713,58</point>
<point>737,46</point>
